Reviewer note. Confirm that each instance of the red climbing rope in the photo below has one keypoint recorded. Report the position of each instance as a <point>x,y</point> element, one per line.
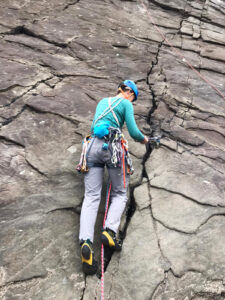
<point>179,53</point>
<point>124,170</point>
<point>102,248</point>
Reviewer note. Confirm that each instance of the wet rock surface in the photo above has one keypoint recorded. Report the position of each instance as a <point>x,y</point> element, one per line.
<point>58,59</point>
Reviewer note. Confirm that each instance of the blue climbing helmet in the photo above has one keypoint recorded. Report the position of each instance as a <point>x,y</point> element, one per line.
<point>131,85</point>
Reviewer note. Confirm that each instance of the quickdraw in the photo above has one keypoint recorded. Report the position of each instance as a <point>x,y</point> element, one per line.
<point>82,166</point>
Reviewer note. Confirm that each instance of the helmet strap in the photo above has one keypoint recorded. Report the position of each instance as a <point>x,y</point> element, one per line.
<point>124,94</point>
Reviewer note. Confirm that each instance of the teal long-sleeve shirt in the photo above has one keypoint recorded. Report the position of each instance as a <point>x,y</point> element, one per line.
<point>124,112</point>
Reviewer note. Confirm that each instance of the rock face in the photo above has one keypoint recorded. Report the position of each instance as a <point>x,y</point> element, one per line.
<point>58,59</point>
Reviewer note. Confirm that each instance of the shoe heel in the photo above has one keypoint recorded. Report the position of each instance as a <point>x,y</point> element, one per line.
<point>86,252</point>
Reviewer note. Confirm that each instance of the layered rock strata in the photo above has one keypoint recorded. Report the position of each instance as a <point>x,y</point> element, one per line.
<point>58,59</point>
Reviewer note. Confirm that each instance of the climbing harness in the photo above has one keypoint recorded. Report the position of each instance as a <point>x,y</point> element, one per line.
<point>120,153</point>
<point>102,247</point>
<point>179,53</point>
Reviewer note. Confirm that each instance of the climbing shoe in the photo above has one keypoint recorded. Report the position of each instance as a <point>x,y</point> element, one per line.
<point>89,265</point>
<point>109,239</point>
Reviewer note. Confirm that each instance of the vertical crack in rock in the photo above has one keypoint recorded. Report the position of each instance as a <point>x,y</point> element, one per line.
<point>83,292</point>
<point>154,104</point>
<point>166,260</point>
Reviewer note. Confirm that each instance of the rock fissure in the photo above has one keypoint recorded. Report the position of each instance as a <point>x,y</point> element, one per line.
<point>71,4</point>
<point>69,208</point>
<point>38,110</point>
<point>35,168</point>
<point>162,283</point>
<point>11,119</point>
<point>22,281</point>
<point>23,30</point>
<point>78,43</point>
<point>11,141</point>
<point>32,87</point>
<point>166,260</point>
<point>183,195</point>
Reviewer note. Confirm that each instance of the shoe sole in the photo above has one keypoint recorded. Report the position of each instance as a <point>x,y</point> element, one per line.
<point>90,269</point>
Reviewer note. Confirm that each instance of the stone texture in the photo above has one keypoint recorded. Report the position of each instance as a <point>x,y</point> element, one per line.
<point>58,59</point>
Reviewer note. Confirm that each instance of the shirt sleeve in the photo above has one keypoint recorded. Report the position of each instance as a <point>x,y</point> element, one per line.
<point>133,130</point>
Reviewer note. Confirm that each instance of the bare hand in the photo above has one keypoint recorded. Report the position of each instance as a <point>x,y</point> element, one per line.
<point>145,141</point>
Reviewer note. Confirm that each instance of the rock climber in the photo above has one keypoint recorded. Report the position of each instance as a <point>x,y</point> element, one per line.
<point>107,147</point>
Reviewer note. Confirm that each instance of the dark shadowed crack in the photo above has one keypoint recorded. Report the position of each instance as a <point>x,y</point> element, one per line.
<point>71,4</point>
<point>85,283</point>
<point>30,107</point>
<point>11,119</point>
<point>69,208</point>
<point>7,139</point>
<point>34,86</point>
<point>183,195</point>
<point>81,75</point>
<point>21,281</point>
<point>35,168</point>
<point>23,30</point>
<point>154,103</point>
<point>166,260</point>
<point>163,283</point>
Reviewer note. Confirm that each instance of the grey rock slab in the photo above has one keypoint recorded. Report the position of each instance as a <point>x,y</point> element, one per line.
<point>171,4</point>
<point>137,247</point>
<point>203,125</point>
<point>16,74</point>
<point>178,213</point>
<point>213,52</point>
<point>201,252</point>
<point>190,286</point>
<point>38,253</point>
<point>146,252</point>
<point>34,43</point>
<point>25,191</point>
<point>212,65</point>
<point>44,138</point>
<point>142,196</point>
<point>180,134</point>
<point>212,32</point>
<point>52,150</point>
<point>135,148</point>
<point>136,177</point>
<point>214,12</point>
<point>196,181</point>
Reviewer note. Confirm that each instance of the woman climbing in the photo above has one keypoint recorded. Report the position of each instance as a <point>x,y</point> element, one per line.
<point>107,147</point>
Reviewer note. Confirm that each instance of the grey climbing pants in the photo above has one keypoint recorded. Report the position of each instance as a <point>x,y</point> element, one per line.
<point>93,180</point>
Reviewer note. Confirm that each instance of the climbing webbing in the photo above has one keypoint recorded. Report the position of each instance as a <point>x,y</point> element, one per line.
<point>109,109</point>
<point>177,52</point>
